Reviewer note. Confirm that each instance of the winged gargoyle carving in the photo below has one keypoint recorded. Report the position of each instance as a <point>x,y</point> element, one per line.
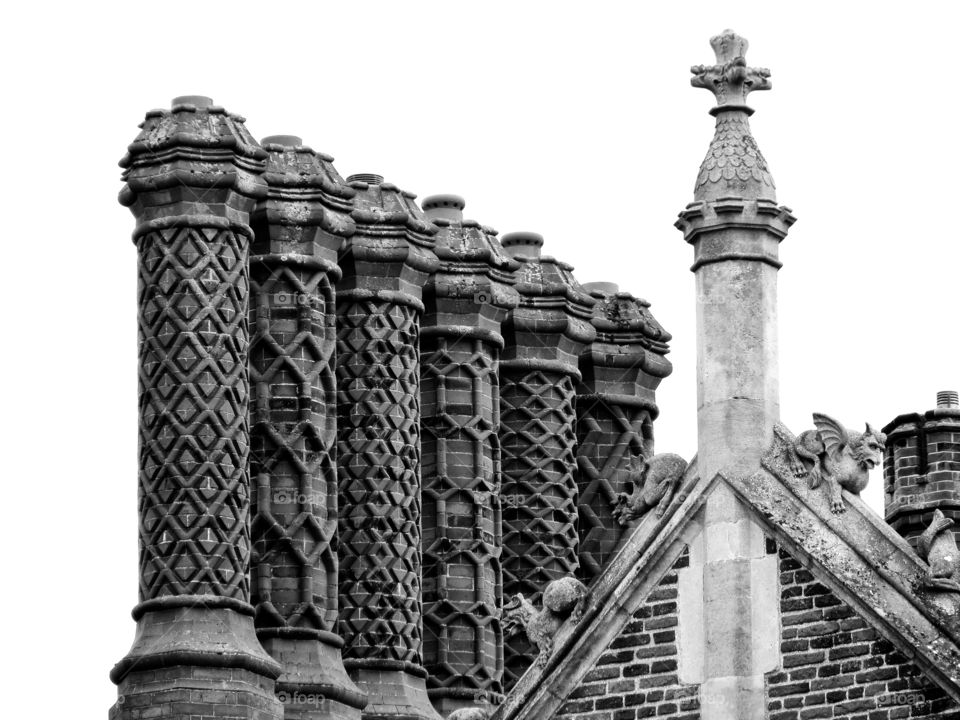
<point>836,458</point>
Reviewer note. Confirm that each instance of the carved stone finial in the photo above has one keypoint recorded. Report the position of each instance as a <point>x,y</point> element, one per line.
<point>730,79</point>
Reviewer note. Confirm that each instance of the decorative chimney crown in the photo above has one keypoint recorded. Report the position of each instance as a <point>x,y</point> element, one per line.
<point>730,79</point>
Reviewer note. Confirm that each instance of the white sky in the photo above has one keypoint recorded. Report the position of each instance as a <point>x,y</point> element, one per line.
<point>574,120</point>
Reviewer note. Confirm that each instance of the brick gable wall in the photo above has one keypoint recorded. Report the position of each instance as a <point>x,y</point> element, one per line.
<point>835,665</point>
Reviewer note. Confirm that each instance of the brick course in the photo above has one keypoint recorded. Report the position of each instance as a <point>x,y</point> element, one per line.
<point>835,665</point>
<point>637,676</point>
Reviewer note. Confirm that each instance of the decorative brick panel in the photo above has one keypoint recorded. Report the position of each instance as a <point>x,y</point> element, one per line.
<point>637,675</point>
<point>616,406</point>
<point>544,337</point>
<point>609,434</point>
<point>379,379</point>
<point>835,665</point>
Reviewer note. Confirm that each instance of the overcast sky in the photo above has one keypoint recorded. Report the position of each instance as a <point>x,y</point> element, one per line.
<point>575,120</point>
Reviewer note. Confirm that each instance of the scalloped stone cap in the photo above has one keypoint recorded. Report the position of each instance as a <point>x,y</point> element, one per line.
<point>285,140</point>
<point>601,287</point>
<point>198,100</point>
<point>447,207</point>
<point>522,243</point>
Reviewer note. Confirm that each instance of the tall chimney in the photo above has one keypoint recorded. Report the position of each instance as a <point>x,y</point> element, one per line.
<point>465,301</point>
<point>192,178</point>
<point>385,265</point>
<point>538,375</point>
<point>735,227</point>
<point>921,467</point>
<point>299,229</point>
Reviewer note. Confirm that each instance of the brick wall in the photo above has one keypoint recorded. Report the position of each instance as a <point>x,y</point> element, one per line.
<point>637,676</point>
<point>921,472</point>
<point>836,666</point>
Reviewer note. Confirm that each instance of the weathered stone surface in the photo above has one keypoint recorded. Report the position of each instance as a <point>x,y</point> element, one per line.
<point>735,227</point>
<point>299,229</point>
<point>465,302</point>
<point>192,178</point>
<point>616,407</point>
<point>544,338</point>
<point>385,265</point>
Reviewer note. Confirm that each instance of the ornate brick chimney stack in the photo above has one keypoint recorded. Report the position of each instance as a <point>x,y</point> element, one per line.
<point>538,376</point>
<point>299,229</point>
<point>466,302</point>
<point>616,407</point>
<point>735,227</point>
<point>192,178</point>
<point>921,467</point>
<point>385,265</point>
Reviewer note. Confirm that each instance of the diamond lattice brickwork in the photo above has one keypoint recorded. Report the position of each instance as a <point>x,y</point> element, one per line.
<point>193,498</point>
<point>539,492</point>
<point>378,380</point>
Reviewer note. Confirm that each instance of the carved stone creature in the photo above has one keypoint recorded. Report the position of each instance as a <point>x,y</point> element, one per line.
<point>938,546</point>
<point>654,482</point>
<point>562,599</point>
<point>837,458</point>
<point>468,713</point>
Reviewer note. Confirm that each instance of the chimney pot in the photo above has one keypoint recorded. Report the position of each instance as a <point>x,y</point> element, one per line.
<point>522,243</point>
<point>447,207</point>
<point>948,399</point>
<point>368,178</point>
<point>201,101</point>
<point>602,288</point>
<point>286,140</point>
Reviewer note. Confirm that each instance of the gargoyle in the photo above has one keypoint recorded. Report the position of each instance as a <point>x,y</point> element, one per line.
<point>938,546</point>
<point>837,458</point>
<point>654,482</point>
<point>562,599</point>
